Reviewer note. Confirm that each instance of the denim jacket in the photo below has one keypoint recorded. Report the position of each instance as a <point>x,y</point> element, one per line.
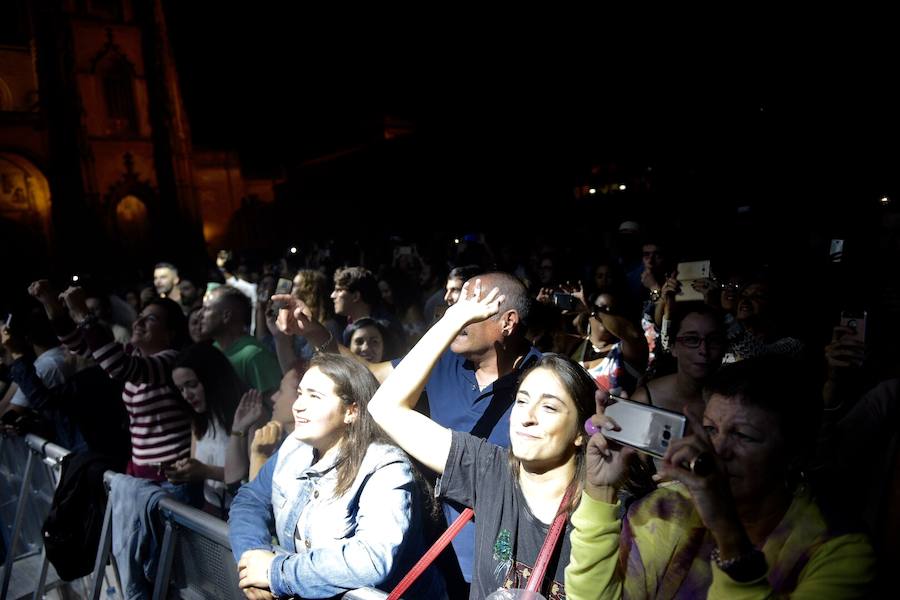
<point>369,536</point>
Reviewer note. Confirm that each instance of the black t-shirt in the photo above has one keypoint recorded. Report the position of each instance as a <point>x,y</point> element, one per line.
<point>508,538</point>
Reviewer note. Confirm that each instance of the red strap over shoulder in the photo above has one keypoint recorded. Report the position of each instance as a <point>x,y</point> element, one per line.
<point>438,547</point>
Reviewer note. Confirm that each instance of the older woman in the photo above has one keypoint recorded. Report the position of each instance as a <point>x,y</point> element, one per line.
<point>744,527</point>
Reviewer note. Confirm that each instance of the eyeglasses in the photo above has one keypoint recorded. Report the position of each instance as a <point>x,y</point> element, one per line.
<point>596,310</point>
<point>729,286</point>
<point>693,341</point>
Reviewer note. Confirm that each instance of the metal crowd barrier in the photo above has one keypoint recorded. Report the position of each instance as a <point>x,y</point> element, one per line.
<point>31,491</point>
<point>195,556</point>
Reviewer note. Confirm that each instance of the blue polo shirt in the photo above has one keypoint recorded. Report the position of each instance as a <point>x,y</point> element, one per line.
<point>456,402</point>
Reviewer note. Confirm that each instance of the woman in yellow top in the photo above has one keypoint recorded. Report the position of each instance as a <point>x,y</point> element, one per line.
<point>743,527</point>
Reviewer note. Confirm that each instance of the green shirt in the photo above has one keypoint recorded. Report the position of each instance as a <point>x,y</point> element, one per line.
<point>256,366</point>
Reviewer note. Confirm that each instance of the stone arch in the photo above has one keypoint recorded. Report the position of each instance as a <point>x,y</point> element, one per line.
<point>24,193</point>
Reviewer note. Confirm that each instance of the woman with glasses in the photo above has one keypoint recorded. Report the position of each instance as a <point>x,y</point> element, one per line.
<point>615,350</point>
<point>697,338</point>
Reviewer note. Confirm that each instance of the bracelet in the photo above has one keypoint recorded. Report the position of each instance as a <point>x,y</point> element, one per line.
<point>321,348</point>
<point>239,434</point>
<point>654,295</point>
<point>88,321</point>
<point>742,568</point>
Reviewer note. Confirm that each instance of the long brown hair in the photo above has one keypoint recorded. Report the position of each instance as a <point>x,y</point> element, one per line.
<point>581,388</point>
<point>354,384</point>
<point>312,288</point>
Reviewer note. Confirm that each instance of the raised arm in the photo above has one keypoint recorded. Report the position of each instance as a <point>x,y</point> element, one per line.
<point>115,359</point>
<point>592,571</point>
<point>634,344</point>
<point>63,326</point>
<point>392,407</point>
<point>295,318</point>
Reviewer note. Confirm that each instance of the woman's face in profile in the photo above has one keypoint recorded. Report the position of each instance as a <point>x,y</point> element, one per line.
<point>320,416</point>
<point>750,445</point>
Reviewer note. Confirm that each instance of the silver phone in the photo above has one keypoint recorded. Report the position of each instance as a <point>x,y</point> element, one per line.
<point>688,272</point>
<point>645,428</point>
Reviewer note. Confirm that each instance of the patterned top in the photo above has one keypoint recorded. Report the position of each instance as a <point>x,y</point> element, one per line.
<point>662,550</point>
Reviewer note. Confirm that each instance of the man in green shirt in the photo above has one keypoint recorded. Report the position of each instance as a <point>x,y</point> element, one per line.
<point>226,319</point>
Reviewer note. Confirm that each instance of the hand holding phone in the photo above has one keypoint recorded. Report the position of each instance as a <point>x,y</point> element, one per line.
<point>645,428</point>
<point>284,287</point>
<point>855,321</point>
<point>688,272</point>
<point>565,301</point>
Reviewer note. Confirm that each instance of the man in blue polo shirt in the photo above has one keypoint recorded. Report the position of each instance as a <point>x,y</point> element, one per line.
<point>472,386</point>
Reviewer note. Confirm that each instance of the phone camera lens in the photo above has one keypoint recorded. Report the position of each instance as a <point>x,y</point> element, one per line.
<point>666,435</point>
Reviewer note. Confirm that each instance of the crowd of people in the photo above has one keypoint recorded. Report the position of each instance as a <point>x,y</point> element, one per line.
<point>340,416</point>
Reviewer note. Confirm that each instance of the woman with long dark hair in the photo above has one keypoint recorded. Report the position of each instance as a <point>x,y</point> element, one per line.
<point>208,382</point>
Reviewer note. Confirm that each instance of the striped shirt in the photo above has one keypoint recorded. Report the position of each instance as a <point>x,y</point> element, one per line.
<point>159,420</point>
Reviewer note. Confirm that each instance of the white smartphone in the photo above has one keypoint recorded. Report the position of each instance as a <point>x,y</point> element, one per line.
<point>687,273</point>
<point>645,428</point>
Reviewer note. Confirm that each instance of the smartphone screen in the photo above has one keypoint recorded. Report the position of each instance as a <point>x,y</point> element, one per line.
<point>645,428</point>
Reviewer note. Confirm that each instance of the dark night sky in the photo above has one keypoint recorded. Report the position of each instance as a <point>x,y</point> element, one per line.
<point>773,114</point>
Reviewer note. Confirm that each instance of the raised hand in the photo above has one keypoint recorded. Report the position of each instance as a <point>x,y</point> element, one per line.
<point>845,350</point>
<point>266,439</point>
<point>578,292</point>
<point>75,300</point>
<point>295,318</point>
<point>473,307</point>
<point>606,462</point>
<point>43,292</point>
<point>671,287</point>
<point>544,295</point>
<point>708,487</point>
<point>249,411</point>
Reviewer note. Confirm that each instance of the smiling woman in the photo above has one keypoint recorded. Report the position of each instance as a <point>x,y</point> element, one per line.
<point>343,502</point>
<point>516,493</point>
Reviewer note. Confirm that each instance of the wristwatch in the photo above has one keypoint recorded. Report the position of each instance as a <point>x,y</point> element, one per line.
<point>749,566</point>
<point>654,295</point>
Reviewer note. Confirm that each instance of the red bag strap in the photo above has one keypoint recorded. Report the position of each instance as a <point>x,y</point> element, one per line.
<point>549,547</point>
<point>438,547</point>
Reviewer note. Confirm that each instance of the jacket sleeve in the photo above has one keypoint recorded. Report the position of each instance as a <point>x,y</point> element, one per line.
<point>592,572</point>
<point>843,567</point>
<point>25,376</point>
<point>367,557</point>
<point>251,520</point>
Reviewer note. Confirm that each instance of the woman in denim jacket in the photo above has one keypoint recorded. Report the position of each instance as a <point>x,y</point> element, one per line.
<point>345,504</point>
